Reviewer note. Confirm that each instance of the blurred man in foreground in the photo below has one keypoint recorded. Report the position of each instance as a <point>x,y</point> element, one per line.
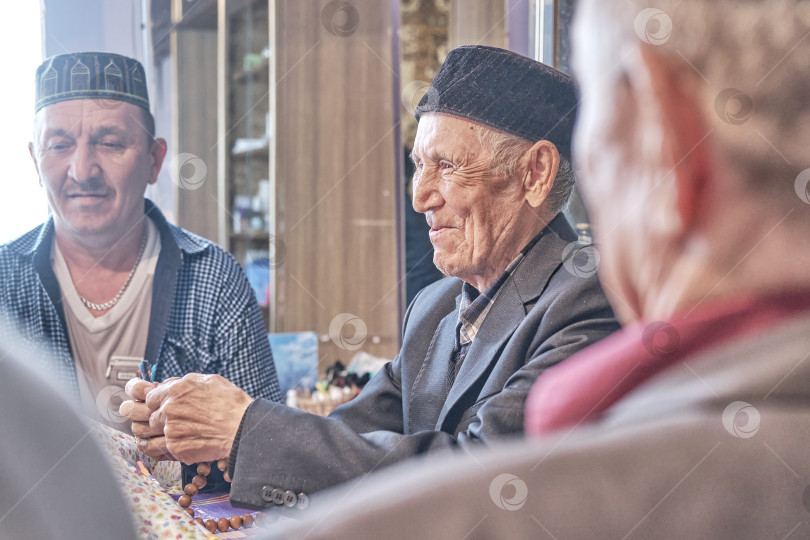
<point>694,420</point>
<point>56,480</point>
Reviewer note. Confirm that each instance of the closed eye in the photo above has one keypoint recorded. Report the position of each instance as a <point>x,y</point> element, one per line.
<point>58,144</point>
<point>111,145</point>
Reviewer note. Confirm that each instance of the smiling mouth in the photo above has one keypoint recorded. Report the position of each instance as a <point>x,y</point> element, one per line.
<point>437,230</point>
<point>436,227</point>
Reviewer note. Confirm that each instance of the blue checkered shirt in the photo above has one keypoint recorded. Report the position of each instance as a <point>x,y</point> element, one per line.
<point>204,316</point>
<point>473,309</point>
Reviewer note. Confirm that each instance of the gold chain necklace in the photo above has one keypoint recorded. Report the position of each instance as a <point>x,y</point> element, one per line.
<point>107,305</point>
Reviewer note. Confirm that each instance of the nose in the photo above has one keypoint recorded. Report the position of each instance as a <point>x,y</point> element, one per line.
<point>84,164</point>
<point>426,194</point>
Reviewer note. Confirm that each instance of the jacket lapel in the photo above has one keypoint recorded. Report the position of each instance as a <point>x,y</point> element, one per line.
<point>544,259</point>
<point>503,318</point>
<point>430,385</point>
<point>511,305</point>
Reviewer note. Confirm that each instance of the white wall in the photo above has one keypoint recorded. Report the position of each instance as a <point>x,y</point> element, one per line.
<point>93,25</point>
<point>23,204</point>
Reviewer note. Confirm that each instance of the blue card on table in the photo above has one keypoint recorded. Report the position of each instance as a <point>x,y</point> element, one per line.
<point>296,358</point>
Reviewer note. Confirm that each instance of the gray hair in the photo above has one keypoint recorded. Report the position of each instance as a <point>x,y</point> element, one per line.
<point>507,150</point>
<point>748,62</point>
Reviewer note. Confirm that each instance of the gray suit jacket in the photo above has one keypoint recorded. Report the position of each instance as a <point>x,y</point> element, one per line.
<point>670,460</point>
<point>542,314</point>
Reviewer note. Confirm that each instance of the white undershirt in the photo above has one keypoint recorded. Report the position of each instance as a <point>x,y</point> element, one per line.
<point>107,349</point>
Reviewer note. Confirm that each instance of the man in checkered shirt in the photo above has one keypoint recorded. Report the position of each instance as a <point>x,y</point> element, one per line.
<point>107,282</point>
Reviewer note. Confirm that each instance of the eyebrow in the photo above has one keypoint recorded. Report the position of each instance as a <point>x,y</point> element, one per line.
<point>101,132</point>
<point>108,130</point>
<point>431,154</point>
<point>55,132</point>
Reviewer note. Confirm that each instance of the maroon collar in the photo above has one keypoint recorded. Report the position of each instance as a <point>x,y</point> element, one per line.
<point>581,388</point>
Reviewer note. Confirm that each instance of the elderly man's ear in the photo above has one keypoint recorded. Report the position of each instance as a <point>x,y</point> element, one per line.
<point>672,101</point>
<point>543,162</point>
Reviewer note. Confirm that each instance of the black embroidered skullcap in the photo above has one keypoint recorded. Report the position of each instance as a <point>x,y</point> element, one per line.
<point>91,75</point>
<point>505,91</point>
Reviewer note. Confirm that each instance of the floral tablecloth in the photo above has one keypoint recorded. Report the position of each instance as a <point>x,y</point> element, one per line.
<point>148,486</point>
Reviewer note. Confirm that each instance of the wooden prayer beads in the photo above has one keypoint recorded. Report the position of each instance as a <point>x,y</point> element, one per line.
<point>193,488</point>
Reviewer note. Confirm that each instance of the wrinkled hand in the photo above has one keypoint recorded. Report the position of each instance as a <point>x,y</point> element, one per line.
<point>150,437</point>
<point>198,416</point>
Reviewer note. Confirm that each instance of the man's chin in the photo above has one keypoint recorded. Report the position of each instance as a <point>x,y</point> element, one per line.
<point>87,225</point>
<point>446,265</point>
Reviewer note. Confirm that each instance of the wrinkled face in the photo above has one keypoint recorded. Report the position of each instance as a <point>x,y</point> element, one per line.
<point>472,212</point>
<point>94,163</point>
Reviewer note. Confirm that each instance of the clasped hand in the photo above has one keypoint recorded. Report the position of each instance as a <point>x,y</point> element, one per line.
<point>190,419</point>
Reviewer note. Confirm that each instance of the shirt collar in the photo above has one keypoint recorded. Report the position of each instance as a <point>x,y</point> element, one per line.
<point>583,387</point>
<point>31,242</point>
<point>474,305</point>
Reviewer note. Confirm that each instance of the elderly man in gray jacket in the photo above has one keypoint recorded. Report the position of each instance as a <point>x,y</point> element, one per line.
<point>693,421</point>
<point>492,160</point>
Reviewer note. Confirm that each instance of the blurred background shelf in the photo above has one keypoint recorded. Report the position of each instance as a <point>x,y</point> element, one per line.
<point>251,236</point>
<point>260,70</point>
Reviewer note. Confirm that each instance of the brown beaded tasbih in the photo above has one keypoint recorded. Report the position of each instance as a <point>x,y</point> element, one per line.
<point>197,483</point>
